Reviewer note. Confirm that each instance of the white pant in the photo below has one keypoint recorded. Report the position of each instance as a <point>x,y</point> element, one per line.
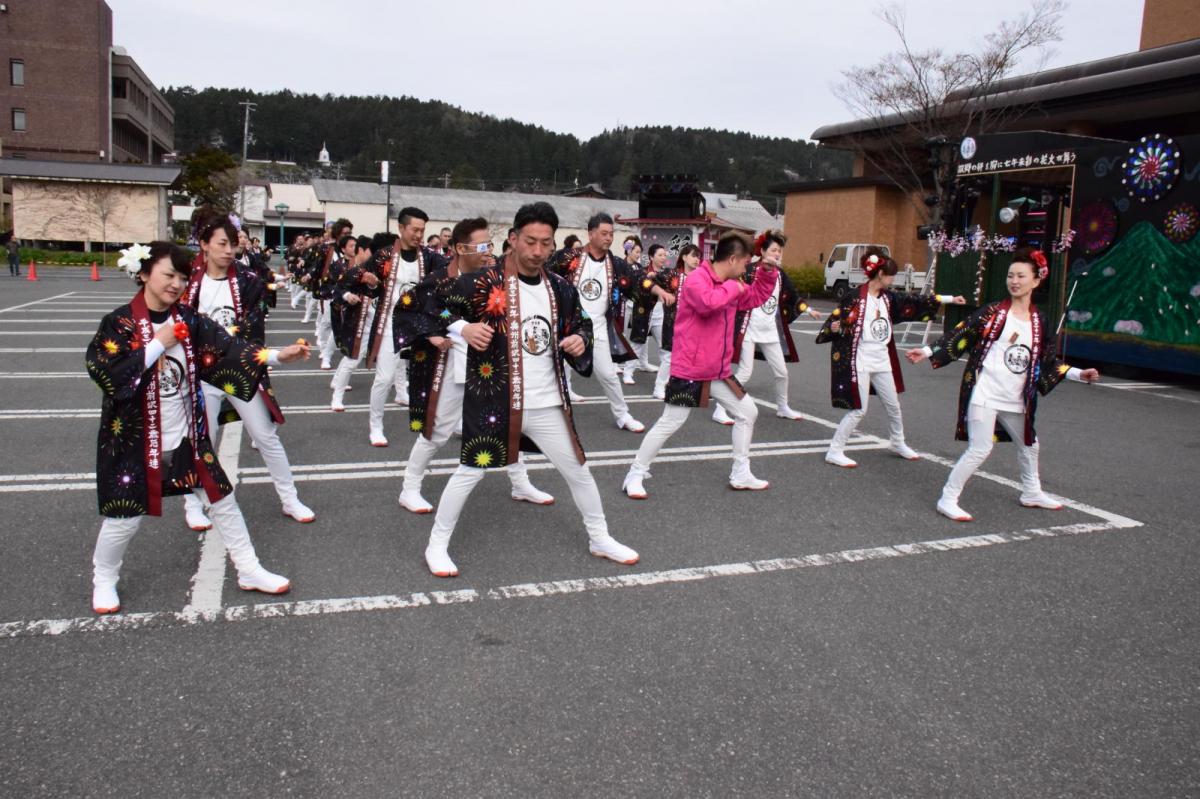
<point>605,371</point>
<point>346,367</point>
<point>449,412</point>
<point>227,522</point>
<point>387,364</point>
<point>773,352</point>
<point>743,412</point>
<point>641,349</point>
<point>262,431</point>
<point>310,304</point>
<point>885,389</point>
<point>546,427</point>
<point>325,341</point>
<point>664,371</point>
<point>981,428</point>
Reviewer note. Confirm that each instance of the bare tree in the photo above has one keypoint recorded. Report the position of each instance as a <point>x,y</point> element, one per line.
<point>922,101</point>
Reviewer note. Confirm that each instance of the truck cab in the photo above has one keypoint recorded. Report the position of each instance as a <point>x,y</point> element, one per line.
<point>843,272</point>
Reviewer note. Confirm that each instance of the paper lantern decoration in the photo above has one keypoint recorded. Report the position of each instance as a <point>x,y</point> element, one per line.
<point>1152,167</point>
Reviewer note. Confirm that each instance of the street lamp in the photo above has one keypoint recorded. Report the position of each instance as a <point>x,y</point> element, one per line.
<point>281,209</point>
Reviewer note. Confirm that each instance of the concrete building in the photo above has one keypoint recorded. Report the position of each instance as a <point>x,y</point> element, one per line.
<point>69,95</point>
<point>1156,89</point>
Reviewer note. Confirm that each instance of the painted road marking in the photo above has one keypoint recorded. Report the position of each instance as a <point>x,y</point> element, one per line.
<point>209,580</point>
<point>34,302</point>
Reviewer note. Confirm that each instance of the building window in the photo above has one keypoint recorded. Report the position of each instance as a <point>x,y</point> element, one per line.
<point>16,72</point>
<point>118,88</point>
<point>18,119</point>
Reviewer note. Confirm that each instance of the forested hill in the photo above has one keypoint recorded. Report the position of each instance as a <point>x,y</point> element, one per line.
<point>426,140</point>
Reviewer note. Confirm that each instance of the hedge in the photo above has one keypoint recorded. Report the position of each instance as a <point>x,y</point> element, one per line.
<point>65,258</point>
<point>809,279</point>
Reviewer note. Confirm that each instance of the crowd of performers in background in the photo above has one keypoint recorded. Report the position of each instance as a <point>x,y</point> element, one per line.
<point>481,345</point>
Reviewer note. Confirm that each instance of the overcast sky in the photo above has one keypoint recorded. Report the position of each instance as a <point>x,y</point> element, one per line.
<point>577,67</point>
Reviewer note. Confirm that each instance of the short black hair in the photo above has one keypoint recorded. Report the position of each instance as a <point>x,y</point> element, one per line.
<point>571,242</point>
<point>653,249</point>
<point>539,212</point>
<point>207,220</point>
<point>599,219</point>
<point>181,259</point>
<point>409,213</point>
<point>341,226</point>
<point>382,240</point>
<point>364,243</point>
<point>732,243</point>
<point>433,237</point>
<point>344,240</point>
<point>463,230</point>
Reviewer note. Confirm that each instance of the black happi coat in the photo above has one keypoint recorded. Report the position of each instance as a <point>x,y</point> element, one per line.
<point>843,360</point>
<point>115,361</point>
<point>348,321</point>
<point>427,260</point>
<point>428,315</point>
<point>622,287</point>
<point>671,280</point>
<point>790,306</point>
<point>251,324</point>
<point>491,428</point>
<point>644,300</point>
<point>975,337</point>
<point>256,263</point>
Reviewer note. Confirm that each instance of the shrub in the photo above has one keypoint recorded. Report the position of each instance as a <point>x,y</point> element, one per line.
<point>65,258</point>
<point>809,279</point>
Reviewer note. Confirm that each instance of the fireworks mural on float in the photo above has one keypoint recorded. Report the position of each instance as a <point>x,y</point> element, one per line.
<point>1181,223</point>
<point>1151,168</point>
<point>1097,227</point>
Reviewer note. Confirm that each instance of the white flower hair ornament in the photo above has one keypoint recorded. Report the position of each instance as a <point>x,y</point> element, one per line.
<point>131,259</point>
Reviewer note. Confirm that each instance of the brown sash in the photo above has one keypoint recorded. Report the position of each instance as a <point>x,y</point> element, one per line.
<point>383,308</point>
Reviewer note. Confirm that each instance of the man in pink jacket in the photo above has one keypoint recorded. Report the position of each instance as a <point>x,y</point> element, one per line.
<point>700,359</point>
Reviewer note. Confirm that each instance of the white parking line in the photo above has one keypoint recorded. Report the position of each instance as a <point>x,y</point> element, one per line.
<point>34,302</point>
<point>209,580</point>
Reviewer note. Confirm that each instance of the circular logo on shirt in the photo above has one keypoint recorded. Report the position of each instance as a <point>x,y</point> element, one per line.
<point>407,287</point>
<point>770,305</point>
<point>591,289</point>
<point>170,379</point>
<point>880,330</point>
<point>535,334</point>
<point>224,316</point>
<point>1017,358</point>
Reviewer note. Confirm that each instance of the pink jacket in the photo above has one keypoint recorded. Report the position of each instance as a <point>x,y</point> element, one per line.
<point>702,347</point>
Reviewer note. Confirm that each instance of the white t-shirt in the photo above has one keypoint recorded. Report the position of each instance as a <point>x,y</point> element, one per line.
<point>407,276</point>
<point>216,302</point>
<point>876,333</point>
<point>762,329</point>
<point>537,342</point>
<point>173,394</point>
<point>593,293</point>
<point>1002,376</point>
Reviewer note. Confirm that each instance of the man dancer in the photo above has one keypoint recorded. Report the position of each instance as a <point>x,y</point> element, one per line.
<point>353,311</point>
<point>522,322</point>
<point>700,359</point>
<point>438,367</point>
<point>323,290</point>
<point>604,282</point>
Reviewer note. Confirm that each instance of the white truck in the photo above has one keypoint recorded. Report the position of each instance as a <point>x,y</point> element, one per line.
<point>843,272</point>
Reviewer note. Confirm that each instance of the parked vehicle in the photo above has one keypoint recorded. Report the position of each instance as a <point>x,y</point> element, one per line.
<point>843,270</point>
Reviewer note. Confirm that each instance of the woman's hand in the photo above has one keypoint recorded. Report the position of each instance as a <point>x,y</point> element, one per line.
<point>915,356</point>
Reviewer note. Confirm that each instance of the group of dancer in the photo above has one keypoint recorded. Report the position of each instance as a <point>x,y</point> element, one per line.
<point>486,344</point>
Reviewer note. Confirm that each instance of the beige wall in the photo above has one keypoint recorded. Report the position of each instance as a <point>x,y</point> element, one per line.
<point>1168,22</point>
<point>69,211</point>
<point>816,221</point>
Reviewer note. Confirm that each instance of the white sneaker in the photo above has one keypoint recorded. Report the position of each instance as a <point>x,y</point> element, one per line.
<point>659,393</point>
<point>401,400</point>
<point>648,368</point>
<point>333,386</point>
<point>1040,500</point>
<point>105,599</point>
<point>839,459</point>
<point>299,511</point>
<point>378,439</point>
<point>632,486</point>
<point>905,451</point>
<point>336,404</point>
<point>785,412</point>
<point>720,417</point>
<point>326,365</point>
<point>574,397</point>
<point>437,558</point>
<point>413,502</point>
<point>262,580</point>
<point>748,482</point>
<point>196,519</point>
<point>628,379</point>
<point>951,511</point>
<point>529,493</point>
<point>608,547</point>
<point>627,422</point>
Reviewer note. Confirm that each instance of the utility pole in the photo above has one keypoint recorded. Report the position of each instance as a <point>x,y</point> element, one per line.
<point>249,106</point>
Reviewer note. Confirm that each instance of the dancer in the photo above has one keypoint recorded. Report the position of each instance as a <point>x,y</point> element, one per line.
<point>863,359</point>
<point>438,367</point>
<point>355,298</point>
<point>522,322</point>
<point>148,357</point>
<point>764,332</point>
<point>403,267</point>
<point>672,280</point>
<point>997,399</point>
<point>233,298</point>
<point>647,314</point>
<point>324,286</point>
<point>700,359</point>
<point>604,282</point>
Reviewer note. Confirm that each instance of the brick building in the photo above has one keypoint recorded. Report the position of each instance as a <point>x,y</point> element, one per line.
<point>67,94</point>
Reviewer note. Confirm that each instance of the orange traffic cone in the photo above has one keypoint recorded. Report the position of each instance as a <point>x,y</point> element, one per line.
<point>95,273</point>
<point>32,270</point>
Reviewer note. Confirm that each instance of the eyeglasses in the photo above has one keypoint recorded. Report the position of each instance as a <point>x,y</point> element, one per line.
<point>486,246</point>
